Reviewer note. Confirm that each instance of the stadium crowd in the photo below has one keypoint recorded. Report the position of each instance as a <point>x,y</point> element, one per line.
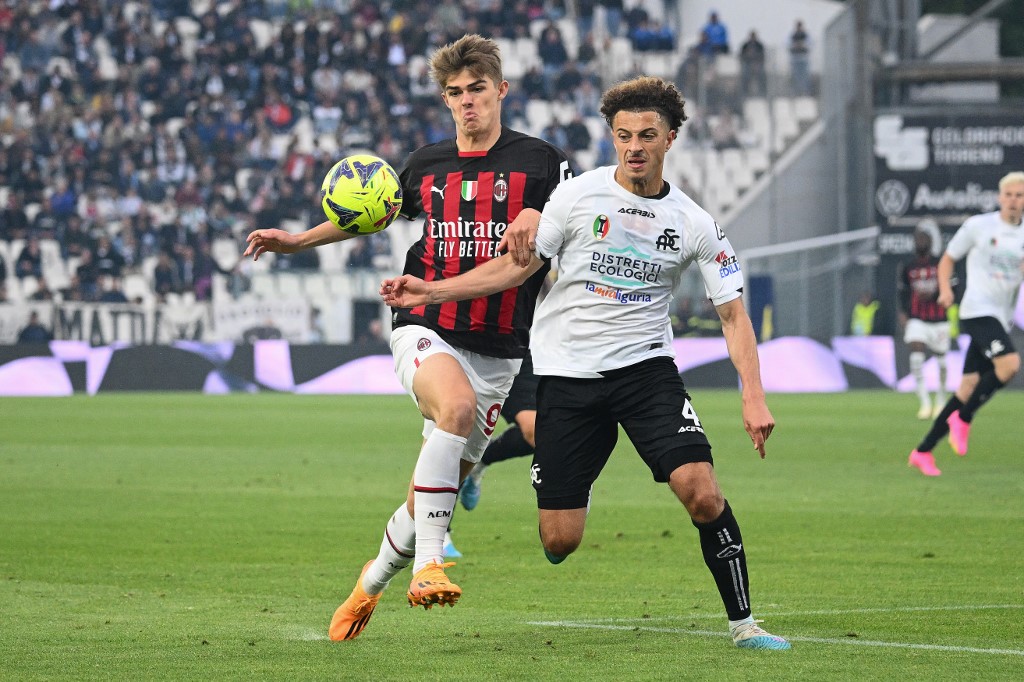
<point>141,132</point>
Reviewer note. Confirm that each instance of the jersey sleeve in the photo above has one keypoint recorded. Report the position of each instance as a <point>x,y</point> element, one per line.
<point>903,288</point>
<point>412,204</point>
<point>554,218</point>
<point>719,267</point>
<point>963,240</point>
<point>558,170</point>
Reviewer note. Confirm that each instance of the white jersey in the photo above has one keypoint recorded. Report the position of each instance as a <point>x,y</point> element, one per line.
<point>995,255</point>
<point>620,257</point>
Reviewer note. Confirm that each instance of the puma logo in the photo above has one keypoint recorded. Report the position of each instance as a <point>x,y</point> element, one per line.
<point>439,190</point>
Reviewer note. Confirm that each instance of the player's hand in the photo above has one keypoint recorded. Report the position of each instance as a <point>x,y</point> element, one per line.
<point>404,291</point>
<point>520,237</point>
<point>277,241</point>
<point>945,298</point>
<point>758,423</point>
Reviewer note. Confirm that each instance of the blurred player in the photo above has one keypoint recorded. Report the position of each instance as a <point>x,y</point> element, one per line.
<point>924,322</point>
<point>602,342</point>
<point>457,361</point>
<point>993,244</point>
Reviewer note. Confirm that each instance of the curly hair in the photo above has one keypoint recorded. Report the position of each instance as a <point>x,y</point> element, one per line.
<point>645,93</point>
<point>478,54</point>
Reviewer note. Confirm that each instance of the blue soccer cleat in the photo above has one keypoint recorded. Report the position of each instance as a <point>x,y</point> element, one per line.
<point>449,551</point>
<point>751,636</point>
<point>469,493</point>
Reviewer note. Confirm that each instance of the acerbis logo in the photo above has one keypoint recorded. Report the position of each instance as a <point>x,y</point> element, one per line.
<point>994,348</point>
<point>637,211</point>
<point>730,551</point>
<point>690,415</point>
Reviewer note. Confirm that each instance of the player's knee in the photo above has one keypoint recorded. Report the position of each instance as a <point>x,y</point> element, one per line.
<point>704,506</point>
<point>1007,367</point>
<point>560,545</point>
<point>458,415</point>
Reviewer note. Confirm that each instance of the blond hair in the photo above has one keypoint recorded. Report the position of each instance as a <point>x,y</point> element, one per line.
<point>480,56</point>
<point>1011,179</point>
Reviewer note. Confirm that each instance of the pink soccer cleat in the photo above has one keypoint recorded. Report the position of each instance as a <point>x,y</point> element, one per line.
<point>959,430</point>
<point>924,461</point>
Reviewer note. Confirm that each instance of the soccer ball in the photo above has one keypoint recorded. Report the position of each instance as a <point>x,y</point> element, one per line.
<point>361,194</point>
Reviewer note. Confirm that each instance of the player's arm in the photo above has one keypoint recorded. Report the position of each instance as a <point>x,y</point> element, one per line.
<point>903,297</point>
<point>282,241</point>
<point>493,276</point>
<point>742,343</point>
<point>945,275</point>
<point>520,236</point>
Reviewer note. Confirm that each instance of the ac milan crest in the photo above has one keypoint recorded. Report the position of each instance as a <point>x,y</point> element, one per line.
<point>500,189</point>
<point>423,344</point>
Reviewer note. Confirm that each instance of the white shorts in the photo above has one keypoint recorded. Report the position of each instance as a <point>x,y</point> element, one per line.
<point>490,377</point>
<point>934,335</point>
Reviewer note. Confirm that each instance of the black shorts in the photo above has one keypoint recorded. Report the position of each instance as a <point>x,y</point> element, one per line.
<point>577,428</point>
<point>523,395</point>
<point>989,339</point>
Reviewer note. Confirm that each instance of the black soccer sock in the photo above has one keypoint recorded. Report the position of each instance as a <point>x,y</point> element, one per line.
<point>987,386</point>
<point>506,446</point>
<point>722,546</point>
<point>939,427</point>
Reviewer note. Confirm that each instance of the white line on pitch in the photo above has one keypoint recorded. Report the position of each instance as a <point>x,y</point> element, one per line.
<point>822,612</point>
<point>816,640</point>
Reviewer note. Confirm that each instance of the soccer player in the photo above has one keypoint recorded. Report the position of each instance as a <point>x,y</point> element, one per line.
<point>602,343</point>
<point>924,322</point>
<point>520,411</point>
<point>993,244</point>
<point>457,360</point>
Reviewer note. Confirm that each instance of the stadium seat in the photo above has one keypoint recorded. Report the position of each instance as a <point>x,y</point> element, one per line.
<point>263,285</point>
<point>135,285</point>
<point>12,65</point>
<point>174,125</point>
<point>539,114</point>
<point>226,252</point>
<point>289,284</point>
<point>314,284</point>
<point>805,109</point>
<point>54,268</point>
<point>262,31</point>
<point>29,285</point>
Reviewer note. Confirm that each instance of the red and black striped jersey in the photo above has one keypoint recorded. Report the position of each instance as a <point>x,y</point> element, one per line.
<point>919,289</point>
<point>468,200</point>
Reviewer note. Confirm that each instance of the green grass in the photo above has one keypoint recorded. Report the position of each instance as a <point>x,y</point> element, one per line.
<point>197,537</point>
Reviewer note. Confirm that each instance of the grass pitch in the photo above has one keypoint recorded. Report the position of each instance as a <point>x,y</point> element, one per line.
<point>211,537</point>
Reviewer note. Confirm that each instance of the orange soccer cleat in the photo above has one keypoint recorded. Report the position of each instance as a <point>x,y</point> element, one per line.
<point>353,615</point>
<point>431,586</point>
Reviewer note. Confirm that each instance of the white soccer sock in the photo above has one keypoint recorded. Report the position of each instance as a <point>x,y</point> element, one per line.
<point>396,552</point>
<point>733,624</point>
<point>435,486</point>
<point>940,394</point>
<point>917,369</point>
